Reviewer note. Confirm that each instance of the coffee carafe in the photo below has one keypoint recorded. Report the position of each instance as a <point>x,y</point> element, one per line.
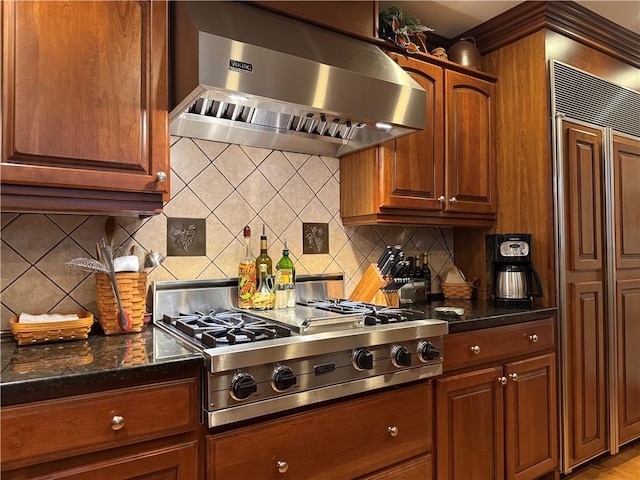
<point>513,281</point>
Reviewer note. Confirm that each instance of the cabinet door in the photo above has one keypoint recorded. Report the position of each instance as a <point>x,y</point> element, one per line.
<point>340,441</point>
<point>178,462</point>
<point>85,95</point>
<point>420,468</point>
<point>411,167</point>
<point>531,433</point>
<point>470,163</point>
<point>585,323</point>
<point>626,171</point>
<point>469,426</point>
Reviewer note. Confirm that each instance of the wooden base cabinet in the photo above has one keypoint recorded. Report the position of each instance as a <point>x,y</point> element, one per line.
<point>376,437</point>
<point>500,421</point>
<point>85,126</point>
<point>140,432</point>
<point>442,175</point>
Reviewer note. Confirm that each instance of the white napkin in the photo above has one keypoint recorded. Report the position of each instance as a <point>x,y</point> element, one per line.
<point>46,317</point>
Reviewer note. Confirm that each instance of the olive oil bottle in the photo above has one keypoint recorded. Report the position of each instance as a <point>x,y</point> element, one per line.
<point>264,257</point>
<point>285,281</point>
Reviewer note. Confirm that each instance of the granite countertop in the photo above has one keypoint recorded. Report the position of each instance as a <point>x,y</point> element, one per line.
<point>479,314</point>
<point>45,371</point>
<point>51,370</point>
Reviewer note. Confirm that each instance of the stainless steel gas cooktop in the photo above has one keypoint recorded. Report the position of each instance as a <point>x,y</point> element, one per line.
<point>262,362</point>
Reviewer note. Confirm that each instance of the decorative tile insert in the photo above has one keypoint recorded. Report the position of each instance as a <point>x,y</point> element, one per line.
<point>225,187</point>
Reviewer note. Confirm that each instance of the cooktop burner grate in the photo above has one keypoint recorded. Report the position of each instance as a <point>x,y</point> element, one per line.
<point>225,328</point>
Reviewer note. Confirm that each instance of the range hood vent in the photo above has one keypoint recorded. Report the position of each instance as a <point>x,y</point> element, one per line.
<point>242,74</point>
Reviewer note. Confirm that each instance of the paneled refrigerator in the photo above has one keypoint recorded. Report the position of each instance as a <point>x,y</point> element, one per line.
<point>597,230</point>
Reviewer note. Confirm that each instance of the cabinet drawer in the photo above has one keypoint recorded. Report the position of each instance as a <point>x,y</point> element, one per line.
<point>339,441</point>
<point>480,346</point>
<point>52,429</point>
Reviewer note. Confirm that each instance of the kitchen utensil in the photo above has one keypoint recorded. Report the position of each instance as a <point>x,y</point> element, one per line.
<point>123,317</point>
<point>87,265</point>
<point>449,311</point>
<point>110,231</point>
<point>153,259</point>
<point>385,255</point>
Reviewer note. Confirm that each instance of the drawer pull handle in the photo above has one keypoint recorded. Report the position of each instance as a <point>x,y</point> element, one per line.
<point>533,338</point>
<point>282,466</point>
<point>513,376</point>
<point>117,422</point>
<point>502,380</point>
<point>393,431</point>
<point>475,349</point>
<point>441,199</point>
<point>161,177</point>
<point>453,200</point>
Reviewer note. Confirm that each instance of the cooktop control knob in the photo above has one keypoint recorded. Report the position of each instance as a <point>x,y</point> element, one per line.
<point>242,386</point>
<point>427,352</point>
<point>400,356</point>
<point>362,359</point>
<point>282,379</point>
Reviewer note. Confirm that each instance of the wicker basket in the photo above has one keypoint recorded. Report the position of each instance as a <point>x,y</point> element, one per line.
<point>132,287</point>
<point>31,333</point>
<point>453,291</point>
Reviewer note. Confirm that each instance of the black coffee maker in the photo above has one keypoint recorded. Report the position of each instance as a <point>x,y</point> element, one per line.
<point>512,280</point>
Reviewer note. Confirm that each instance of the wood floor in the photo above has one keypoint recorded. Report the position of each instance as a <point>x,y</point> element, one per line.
<point>623,466</point>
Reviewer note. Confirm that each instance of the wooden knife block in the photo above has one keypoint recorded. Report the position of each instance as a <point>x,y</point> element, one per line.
<point>370,283</point>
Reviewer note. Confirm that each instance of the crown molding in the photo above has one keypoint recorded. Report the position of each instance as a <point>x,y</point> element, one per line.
<point>564,17</point>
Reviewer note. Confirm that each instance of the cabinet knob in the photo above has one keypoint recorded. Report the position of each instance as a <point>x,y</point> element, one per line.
<point>393,431</point>
<point>117,422</point>
<point>475,349</point>
<point>502,380</point>
<point>533,338</point>
<point>161,177</point>
<point>513,376</point>
<point>453,200</point>
<point>282,466</point>
<point>441,199</point>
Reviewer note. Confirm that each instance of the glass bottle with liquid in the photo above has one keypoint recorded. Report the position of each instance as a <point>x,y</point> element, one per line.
<point>265,296</point>
<point>246,273</point>
<point>426,275</point>
<point>285,279</point>
<point>264,257</point>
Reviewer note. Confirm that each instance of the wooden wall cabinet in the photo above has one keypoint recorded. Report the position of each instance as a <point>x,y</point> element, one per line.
<point>143,432</point>
<point>442,175</point>
<point>497,417</point>
<point>376,437</point>
<point>85,122</point>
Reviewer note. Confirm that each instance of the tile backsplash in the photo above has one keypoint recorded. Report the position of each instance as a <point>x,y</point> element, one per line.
<point>227,186</point>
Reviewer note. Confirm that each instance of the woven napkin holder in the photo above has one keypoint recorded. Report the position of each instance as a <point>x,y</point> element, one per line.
<point>132,287</point>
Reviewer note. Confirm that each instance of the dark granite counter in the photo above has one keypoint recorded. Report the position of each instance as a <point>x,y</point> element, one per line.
<point>45,371</point>
<point>53,370</point>
<point>479,314</point>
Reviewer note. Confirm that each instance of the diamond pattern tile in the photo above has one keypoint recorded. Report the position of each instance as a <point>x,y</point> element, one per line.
<point>234,164</point>
<point>211,187</point>
<point>277,169</point>
<point>315,173</point>
<point>241,186</point>
<point>235,213</point>
<point>297,193</point>
<point>187,160</point>
<point>256,190</point>
<point>186,204</point>
<point>32,236</point>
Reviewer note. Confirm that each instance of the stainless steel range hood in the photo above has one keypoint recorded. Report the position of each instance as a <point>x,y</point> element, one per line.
<point>245,75</point>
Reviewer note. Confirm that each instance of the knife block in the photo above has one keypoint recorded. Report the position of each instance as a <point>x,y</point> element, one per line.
<point>371,281</point>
